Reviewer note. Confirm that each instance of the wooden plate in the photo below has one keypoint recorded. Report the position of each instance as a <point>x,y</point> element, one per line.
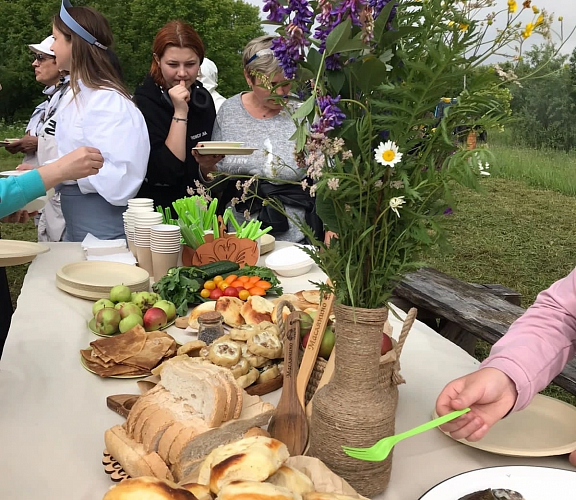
<point>91,294</point>
<point>267,243</point>
<point>545,428</point>
<point>14,252</point>
<point>102,275</point>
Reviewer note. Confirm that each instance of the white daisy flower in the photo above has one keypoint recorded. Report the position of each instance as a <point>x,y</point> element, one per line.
<point>396,203</point>
<point>387,154</point>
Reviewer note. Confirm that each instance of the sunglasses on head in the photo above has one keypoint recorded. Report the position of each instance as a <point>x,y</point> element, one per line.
<point>42,57</point>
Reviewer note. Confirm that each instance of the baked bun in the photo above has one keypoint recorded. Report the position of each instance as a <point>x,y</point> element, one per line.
<point>240,368</point>
<point>248,379</point>
<point>256,309</point>
<point>292,479</point>
<point>197,311</point>
<point>251,459</point>
<point>268,373</point>
<point>265,344</point>
<point>225,353</point>
<point>148,488</point>
<point>253,360</point>
<point>229,308</point>
<point>244,490</point>
<point>244,332</point>
<point>256,431</point>
<point>316,495</point>
<point>200,491</point>
<point>191,348</point>
<point>266,326</point>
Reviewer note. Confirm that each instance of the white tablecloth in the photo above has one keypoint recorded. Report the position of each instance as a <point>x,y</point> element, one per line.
<point>53,413</point>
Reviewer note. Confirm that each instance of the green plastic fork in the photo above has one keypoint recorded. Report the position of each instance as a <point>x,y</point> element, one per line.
<point>382,448</point>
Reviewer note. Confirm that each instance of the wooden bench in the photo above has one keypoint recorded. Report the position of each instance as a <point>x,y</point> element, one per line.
<point>464,312</point>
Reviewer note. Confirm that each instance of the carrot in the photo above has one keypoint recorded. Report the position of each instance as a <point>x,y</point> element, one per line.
<point>237,283</point>
<point>230,279</point>
<point>244,279</point>
<point>254,279</point>
<point>256,290</point>
<point>263,284</point>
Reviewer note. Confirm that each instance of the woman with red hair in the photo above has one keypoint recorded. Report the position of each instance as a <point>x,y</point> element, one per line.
<point>179,113</point>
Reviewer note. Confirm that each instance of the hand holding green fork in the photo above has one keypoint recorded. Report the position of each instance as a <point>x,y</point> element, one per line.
<point>382,448</point>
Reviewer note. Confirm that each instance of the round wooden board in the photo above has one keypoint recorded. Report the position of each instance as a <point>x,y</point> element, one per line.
<point>266,387</point>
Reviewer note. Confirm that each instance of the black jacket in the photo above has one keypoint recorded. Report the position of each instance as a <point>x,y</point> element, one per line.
<point>167,177</point>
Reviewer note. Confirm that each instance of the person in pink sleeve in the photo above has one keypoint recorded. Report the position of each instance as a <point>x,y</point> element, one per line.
<point>523,362</point>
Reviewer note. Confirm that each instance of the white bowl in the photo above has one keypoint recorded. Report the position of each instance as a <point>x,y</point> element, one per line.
<point>289,261</point>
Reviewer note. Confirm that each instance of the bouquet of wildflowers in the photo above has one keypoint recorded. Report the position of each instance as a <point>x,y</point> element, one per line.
<point>379,157</point>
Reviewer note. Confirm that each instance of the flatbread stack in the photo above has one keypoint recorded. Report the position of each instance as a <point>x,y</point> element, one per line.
<point>132,353</point>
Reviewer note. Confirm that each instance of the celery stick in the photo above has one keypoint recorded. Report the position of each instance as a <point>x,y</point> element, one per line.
<point>263,232</point>
<point>237,227</point>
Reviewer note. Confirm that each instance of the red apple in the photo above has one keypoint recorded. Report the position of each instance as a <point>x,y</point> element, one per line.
<point>305,340</point>
<point>154,318</point>
<point>386,344</point>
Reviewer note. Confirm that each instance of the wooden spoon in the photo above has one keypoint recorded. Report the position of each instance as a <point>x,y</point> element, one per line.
<point>289,423</point>
<point>313,345</point>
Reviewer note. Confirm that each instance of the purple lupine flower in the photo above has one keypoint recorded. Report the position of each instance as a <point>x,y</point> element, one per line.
<point>351,7</point>
<point>275,9</point>
<point>331,116</point>
<point>448,211</point>
<point>288,50</point>
<point>333,62</point>
<point>302,14</point>
<point>378,5</point>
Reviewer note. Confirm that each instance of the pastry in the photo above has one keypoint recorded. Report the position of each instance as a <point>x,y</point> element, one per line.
<point>248,379</point>
<point>240,368</point>
<point>292,479</point>
<point>253,360</point>
<point>243,490</point>
<point>268,373</point>
<point>225,353</point>
<point>244,332</point>
<point>148,488</point>
<point>265,344</point>
<point>192,348</point>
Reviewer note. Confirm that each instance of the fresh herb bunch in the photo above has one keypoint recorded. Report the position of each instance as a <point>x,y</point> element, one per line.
<point>181,286</point>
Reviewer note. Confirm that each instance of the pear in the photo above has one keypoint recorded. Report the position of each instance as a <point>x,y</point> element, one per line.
<point>130,322</point>
<point>120,293</point>
<point>144,300</point>
<point>168,307</point>
<point>107,321</point>
<point>127,308</point>
<point>101,304</point>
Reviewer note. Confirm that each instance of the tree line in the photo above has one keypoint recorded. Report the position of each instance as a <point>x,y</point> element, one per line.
<point>225,27</point>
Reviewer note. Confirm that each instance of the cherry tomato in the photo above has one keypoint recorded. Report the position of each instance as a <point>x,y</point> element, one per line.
<point>265,285</point>
<point>255,290</point>
<point>231,292</point>
<point>240,288</point>
<point>230,279</point>
<point>205,293</point>
<point>210,285</point>
<point>223,285</point>
<point>216,294</point>
<point>237,283</point>
<point>243,294</point>
<point>217,279</point>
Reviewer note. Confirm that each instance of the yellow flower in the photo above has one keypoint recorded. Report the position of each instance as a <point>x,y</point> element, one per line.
<point>450,23</point>
<point>528,30</point>
<point>512,6</point>
<point>561,18</point>
<point>446,99</point>
<point>463,27</point>
<point>540,20</point>
<point>535,9</point>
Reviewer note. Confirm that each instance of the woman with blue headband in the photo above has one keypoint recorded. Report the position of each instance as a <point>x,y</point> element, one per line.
<point>101,114</point>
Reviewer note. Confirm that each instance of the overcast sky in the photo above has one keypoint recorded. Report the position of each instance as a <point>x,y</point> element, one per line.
<point>564,8</point>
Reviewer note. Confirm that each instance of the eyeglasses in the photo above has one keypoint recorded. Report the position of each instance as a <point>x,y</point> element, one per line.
<point>42,57</point>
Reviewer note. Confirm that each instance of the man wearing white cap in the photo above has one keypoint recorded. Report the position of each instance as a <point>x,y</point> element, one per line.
<point>39,144</point>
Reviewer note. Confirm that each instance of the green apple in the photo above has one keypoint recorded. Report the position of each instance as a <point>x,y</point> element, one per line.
<point>101,304</point>
<point>168,307</point>
<point>130,322</point>
<point>306,322</point>
<point>327,344</point>
<point>144,300</point>
<point>120,293</point>
<point>107,321</point>
<point>127,308</point>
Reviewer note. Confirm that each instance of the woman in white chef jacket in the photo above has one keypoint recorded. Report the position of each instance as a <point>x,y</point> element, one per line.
<point>100,114</point>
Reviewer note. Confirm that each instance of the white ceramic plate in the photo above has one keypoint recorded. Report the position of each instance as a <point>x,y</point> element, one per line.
<point>549,423</point>
<point>13,173</point>
<point>533,483</point>
<point>14,252</point>
<point>267,243</point>
<point>221,144</point>
<point>225,151</point>
<point>38,203</point>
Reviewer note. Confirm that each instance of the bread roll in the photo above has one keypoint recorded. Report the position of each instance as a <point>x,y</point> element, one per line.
<point>200,491</point>
<point>255,431</point>
<point>292,479</point>
<point>229,308</point>
<point>148,488</point>
<point>316,495</point>
<point>257,309</point>
<point>244,332</point>
<point>265,344</point>
<point>251,490</point>
<point>250,459</point>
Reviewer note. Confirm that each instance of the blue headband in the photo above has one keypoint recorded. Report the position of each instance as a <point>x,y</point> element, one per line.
<point>69,21</point>
<point>261,52</point>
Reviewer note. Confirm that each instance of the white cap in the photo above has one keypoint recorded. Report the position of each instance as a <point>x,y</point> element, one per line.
<point>44,46</point>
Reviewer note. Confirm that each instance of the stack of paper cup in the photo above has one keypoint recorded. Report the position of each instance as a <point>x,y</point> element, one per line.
<point>165,247</point>
<point>135,205</point>
<point>143,221</point>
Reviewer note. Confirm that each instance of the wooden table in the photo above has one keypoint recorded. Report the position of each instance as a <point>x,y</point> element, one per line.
<point>53,413</point>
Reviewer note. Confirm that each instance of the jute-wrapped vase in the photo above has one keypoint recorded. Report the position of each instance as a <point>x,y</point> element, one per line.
<point>358,406</point>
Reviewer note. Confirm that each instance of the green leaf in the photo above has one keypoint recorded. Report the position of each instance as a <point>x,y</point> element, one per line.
<point>339,35</point>
<point>327,212</point>
<point>370,74</point>
<point>314,60</point>
<point>380,25</point>
<point>336,80</point>
<point>305,109</point>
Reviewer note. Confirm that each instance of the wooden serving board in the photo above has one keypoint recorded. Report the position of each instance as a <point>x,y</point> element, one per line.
<point>266,387</point>
<point>122,403</point>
